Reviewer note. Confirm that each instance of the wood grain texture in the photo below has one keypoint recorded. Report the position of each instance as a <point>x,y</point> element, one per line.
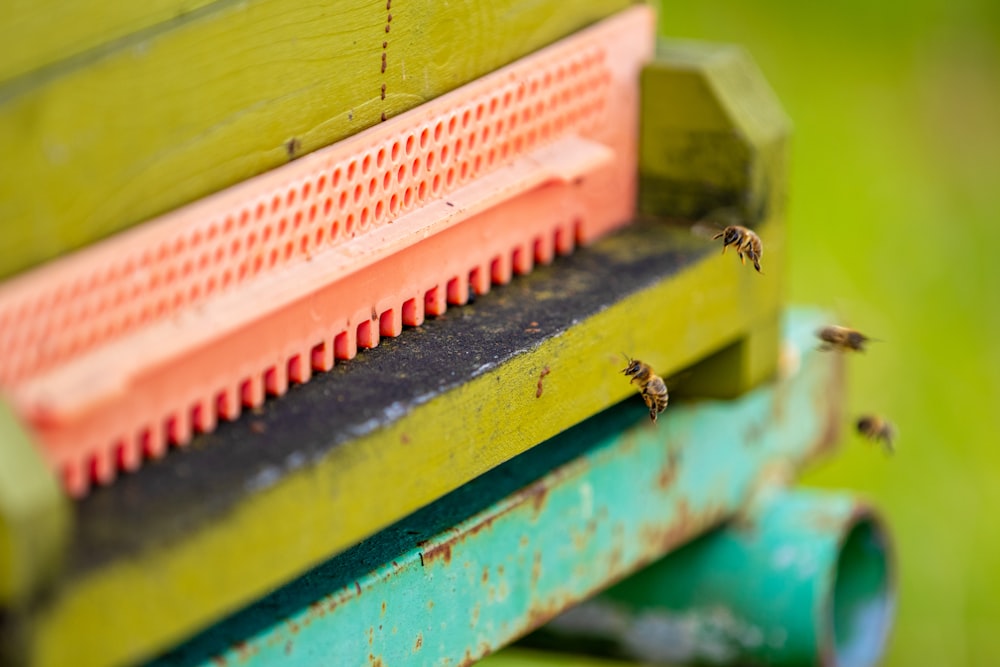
<point>41,33</point>
<point>102,143</point>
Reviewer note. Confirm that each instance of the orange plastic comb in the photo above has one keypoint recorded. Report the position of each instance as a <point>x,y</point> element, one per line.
<point>116,350</point>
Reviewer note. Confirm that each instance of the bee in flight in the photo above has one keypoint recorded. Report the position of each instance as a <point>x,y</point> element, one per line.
<point>746,242</point>
<point>651,386</point>
<point>877,429</point>
<point>842,339</point>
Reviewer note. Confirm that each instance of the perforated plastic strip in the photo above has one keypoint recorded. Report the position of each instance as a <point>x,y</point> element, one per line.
<point>119,349</point>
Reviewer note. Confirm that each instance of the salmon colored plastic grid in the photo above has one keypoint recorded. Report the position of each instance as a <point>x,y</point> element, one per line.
<point>136,342</point>
<point>284,217</point>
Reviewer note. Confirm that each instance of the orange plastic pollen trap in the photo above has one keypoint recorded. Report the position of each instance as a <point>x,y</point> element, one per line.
<point>116,350</point>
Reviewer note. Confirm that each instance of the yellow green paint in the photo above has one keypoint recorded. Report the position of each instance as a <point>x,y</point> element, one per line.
<point>34,515</point>
<point>40,33</point>
<point>94,145</point>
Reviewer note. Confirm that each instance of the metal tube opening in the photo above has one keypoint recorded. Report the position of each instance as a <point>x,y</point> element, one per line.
<point>863,600</point>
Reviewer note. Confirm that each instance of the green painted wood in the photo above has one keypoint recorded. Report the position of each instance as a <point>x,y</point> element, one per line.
<point>508,551</point>
<point>41,33</point>
<point>714,139</point>
<point>94,145</point>
<point>34,516</point>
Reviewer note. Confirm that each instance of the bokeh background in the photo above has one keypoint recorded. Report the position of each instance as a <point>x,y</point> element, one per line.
<point>893,213</point>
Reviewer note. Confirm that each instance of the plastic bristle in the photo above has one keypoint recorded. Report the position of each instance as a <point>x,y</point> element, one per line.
<point>322,357</point>
<point>128,454</point>
<point>501,270</point>
<point>179,427</point>
<point>252,391</point>
<point>479,280</point>
<point>368,334</point>
<point>390,323</point>
<point>276,380</point>
<point>299,368</point>
<point>523,260</point>
<point>102,465</point>
<point>413,312</point>
<point>345,345</point>
<point>435,302</point>
<point>227,404</point>
<point>458,290</point>
<point>204,416</point>
<point>154,442</point>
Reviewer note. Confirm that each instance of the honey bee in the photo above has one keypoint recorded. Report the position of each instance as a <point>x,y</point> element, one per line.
<point>842,338</point>
<point>877,429</point>
<point>746,242</point>
<point>651,386</point>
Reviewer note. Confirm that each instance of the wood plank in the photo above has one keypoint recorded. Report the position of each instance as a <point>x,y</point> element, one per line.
<point>42,33</point>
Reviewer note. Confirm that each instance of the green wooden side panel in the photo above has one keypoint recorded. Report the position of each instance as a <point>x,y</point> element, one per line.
<point>100,144</point>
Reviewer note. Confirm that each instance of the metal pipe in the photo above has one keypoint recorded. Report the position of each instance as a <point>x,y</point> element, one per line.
<point>803,578</point>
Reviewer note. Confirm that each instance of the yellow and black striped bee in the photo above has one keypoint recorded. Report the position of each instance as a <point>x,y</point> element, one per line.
<point>651,386</point>
<point>877,429</point>
<point>746,242</point>
<point>842,339</point>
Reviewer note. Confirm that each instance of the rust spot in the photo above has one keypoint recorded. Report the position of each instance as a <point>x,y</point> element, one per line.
<point>383,91</point>
<point>442,551</point>
<point>245,650</point>
<point>292,147</point>
<point>474,616</point>
<point>389,17</point>
<point>468,660</point>
<point>404,438</point>
<point>219,661</point>
<point>420,642</point>
<point>430,604</point>
<point>668,472</point>
<point>316,609</point>
<point>449,203</point>
<point>357,587</point>
<point>541,376</point>
<point>293,627</point>
<point>615,560</point>
<point>486,574</point>
<point>257,426</point>
<point>288,647</point>
<point>387,27</point>
<point>383,116</point>
<point>536,568</point>
<point>375,661</point>
<point>371,636</point>
<point>388,5</point>
<point>383,607</point>
<point>500,570</point>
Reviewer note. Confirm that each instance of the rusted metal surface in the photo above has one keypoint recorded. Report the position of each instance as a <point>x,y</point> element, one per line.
<point>505,553</point>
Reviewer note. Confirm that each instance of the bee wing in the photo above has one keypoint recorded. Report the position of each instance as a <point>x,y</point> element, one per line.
<point>706,230</point>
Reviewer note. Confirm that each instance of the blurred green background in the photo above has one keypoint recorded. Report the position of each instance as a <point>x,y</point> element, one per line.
<point>893,214</point>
